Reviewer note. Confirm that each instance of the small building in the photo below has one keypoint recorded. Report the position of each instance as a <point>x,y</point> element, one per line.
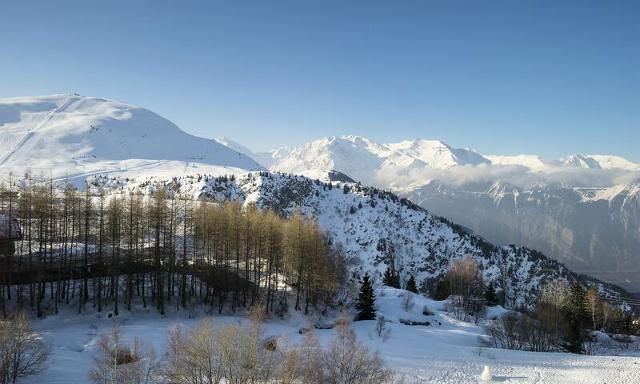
<point>9,233</point>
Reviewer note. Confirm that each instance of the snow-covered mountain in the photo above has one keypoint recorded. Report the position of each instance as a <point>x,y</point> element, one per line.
<point>412,163</point>
<point>373,227</point>
<point>74,137</point>
<point>538,163</point>
<point>363,159</point>
<point>70,135</point>
<point>582,210</point>
<point>592,230</point>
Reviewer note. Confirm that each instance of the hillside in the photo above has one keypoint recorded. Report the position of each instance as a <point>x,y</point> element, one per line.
<point>581,210</point>
<point>411,163</point>
<point>373,228</point>
<point>593,230</point>
<point>71,135</point>
<point>363,159</point>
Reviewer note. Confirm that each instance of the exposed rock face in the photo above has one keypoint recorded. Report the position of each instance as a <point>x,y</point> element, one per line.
<point>591,230</point>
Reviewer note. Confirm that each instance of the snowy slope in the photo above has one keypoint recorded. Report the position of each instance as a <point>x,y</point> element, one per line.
<point>357,157</point>
<point>363,159</point>
<point>372,227</point>
<point>415,160</point>
<point>538,163</point>
<point>447,351</point>
<point>128,147</point>
<point>70,136</point>
<point>73,135</point>
<point>531,162</point>
<point>435,154</point>
<point>614,162</point>
<point>581,210</point>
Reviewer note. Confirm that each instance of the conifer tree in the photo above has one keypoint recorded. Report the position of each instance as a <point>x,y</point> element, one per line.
<point>490,295</point>
<point>411,285</point>
<point>440,291</point>
<point>576,318</point>
<point>366,300</point>
<point>391,278</point>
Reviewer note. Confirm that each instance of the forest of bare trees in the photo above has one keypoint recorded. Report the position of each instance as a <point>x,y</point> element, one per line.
<point>105,251</point>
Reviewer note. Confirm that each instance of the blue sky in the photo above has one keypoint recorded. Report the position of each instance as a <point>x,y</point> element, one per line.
<point>547,77</point>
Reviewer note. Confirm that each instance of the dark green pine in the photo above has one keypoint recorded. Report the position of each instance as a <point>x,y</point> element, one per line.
<point>490,295</point>
<point>366,304</point>
<point>411,285</point>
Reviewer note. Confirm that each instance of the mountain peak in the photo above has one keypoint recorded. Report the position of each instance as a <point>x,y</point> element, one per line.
<point>580,161</point>
<point>84,135</point>
<point>364,159</point>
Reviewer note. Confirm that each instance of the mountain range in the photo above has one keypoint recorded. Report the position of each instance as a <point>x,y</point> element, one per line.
<point>374,229</point>
<point>71,137</point>
<point>409,162</point>
<point>583,210</point>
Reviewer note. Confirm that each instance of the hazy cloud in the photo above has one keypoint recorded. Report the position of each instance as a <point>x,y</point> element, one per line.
<point>514,174</point>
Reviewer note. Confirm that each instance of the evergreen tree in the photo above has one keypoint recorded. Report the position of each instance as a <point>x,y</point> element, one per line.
<point>411,285</point>
<point>391,278</point>
<point>441,291</point>
<point>576,319</point>
<point>625,325</point>
<point>366,300</point>
<point>490,295</point>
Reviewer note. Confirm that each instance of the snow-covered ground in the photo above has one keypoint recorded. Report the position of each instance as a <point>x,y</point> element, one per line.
<point>446,351</point>
<point>75,136</point>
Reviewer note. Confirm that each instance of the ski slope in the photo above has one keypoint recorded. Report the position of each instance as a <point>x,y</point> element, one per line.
<point>72,136</point>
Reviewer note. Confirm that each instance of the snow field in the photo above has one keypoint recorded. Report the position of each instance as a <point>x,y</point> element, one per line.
<point>447,351</point>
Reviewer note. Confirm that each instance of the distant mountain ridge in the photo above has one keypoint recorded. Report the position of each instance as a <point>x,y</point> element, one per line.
<point>592,230</point>
<point>369,162</point>
<point>583,210</point>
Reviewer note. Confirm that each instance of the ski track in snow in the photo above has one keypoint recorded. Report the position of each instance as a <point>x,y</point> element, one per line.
<point>45,120</point>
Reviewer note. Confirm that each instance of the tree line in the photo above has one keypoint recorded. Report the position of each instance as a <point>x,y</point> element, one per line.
<point>564,318</point>
<point>105,250</point>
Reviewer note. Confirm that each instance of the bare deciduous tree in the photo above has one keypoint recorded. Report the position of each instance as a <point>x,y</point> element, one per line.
<point>347,361</point>
<point>382,330</point>
<point>174,368</point>
<point>464,280</point>
<point>119,362</point>
<point>407,301</point>
<point>541,331</point>
<point>22,352</point>
<point>208,355</point>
